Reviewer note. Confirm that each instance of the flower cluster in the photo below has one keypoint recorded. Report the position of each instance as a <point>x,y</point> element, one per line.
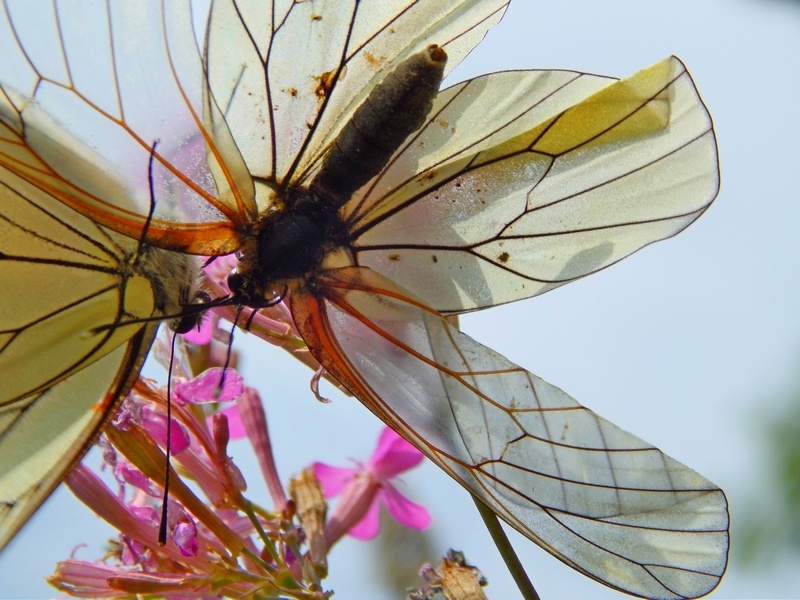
<point>212,541</point>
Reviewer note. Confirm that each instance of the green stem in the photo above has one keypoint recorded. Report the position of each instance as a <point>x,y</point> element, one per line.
<point>506,551</point>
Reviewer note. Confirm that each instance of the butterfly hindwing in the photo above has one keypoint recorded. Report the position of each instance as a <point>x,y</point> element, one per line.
<point>599,498</point>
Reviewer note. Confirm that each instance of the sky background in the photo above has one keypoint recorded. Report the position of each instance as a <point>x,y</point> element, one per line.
<point>690,344</point>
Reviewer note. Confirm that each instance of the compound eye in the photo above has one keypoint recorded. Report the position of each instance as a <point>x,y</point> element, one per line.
<point>195,311</point>
<point>238,285</point>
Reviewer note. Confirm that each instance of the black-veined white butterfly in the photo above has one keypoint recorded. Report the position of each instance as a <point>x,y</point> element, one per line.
<point>514,184</point>
<point>72,338</point>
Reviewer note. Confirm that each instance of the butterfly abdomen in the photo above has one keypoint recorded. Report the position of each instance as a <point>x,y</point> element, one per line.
<point>394,109</point>
<point>294,242</point>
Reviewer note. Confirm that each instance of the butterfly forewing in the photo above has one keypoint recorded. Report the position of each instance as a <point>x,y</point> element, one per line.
<point>597,497</point>
<point>69,349</point>
<point>104,93</point>
<point>534,196</point>
<point>64,279</point>
<point>467,118</point>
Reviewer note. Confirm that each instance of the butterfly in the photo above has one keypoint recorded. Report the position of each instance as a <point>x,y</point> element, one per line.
<point>76,304</point>
<point>493,190</point>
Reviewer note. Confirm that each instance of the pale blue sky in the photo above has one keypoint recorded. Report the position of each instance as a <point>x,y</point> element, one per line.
<point>683,344</point>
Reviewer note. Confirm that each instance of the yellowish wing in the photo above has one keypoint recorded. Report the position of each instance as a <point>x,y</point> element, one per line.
<point>62,377</point>
<point>42,436</point>
<point>520,182</point>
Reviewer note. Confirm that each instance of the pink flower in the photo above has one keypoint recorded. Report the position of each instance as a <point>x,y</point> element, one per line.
<point>138,412</point>
<point>217,546</point>
<point>366,487</point>
<point>85,579</point>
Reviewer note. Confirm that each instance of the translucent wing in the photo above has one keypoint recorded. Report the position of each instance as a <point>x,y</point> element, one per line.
<point>523,181</point>
<point>298,70</point>
<point>598,498</point>
<point>44,435</point>
<point>63,277</point>
<point>142,81</point>
<point>102,90</point>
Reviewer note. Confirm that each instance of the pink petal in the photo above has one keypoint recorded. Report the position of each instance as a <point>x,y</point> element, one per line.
<point>205,387</point>
<point>368,527</point>
<point>85,579</point>
<point>333,479</point>
<point>135,553</point>
<point>129,414</point>
<point>185,537</point>
<point>182,529</point>
<point>393,455</point>
<point>155,423</point>
<point>125,472</point>
<point>109,453</point>
<point>236,430</point>
<point>403,510</point>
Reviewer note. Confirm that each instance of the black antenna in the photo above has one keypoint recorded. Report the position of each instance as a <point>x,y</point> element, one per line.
<point>151,213</point>
<point>228,354</point>
<point>162,528</point>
